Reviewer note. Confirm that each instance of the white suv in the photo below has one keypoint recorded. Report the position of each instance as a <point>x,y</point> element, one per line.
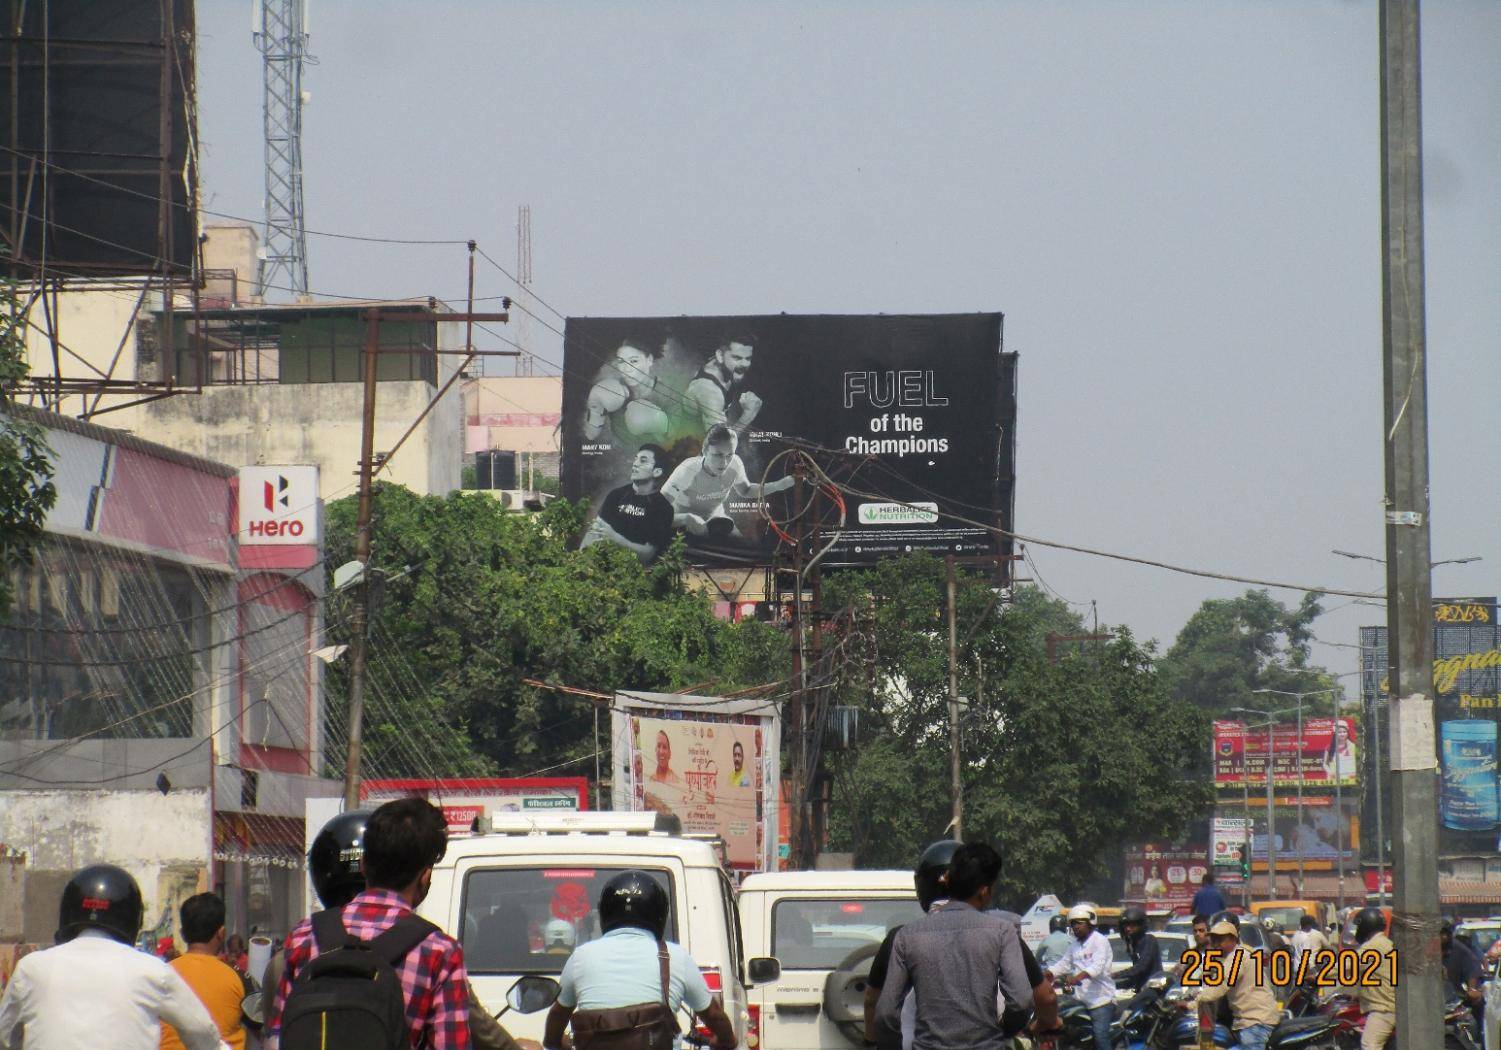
<point>824,928</point>
<point>522,897</point>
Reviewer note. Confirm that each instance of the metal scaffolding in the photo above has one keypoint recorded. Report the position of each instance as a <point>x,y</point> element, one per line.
<point>281,36</point>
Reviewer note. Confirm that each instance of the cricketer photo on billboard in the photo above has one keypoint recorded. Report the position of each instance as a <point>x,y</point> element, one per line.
<point>686,426</point>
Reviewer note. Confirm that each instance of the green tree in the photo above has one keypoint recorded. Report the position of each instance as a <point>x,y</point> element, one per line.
<point>1231,647</point>
<point>472,600</point>
<point>26,489</point>
<point>1063,762</point>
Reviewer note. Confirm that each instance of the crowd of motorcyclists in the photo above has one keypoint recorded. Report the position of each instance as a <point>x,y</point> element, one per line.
<point>961,976</point>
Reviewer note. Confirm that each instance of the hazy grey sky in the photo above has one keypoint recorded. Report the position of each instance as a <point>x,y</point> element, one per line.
<point>1176,205</point>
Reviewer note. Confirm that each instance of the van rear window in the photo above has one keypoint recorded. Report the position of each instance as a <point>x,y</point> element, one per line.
<point>819,934</point>
<point>529,920</point>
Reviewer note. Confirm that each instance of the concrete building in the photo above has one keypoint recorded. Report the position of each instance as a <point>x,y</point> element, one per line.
<point>520,415</point>
<point>263,383</point>
<point>159,706</point>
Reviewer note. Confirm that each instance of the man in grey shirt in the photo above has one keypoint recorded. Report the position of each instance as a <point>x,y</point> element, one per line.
<point>955,957</point>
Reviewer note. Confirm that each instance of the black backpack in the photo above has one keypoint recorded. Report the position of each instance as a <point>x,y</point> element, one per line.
<point>349,997</point>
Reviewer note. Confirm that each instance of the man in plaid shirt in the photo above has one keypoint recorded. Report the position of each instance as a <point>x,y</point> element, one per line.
<point>403,840</point>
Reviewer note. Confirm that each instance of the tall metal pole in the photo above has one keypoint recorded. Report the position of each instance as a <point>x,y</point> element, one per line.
<point>1409,590</point>
<point>1378,763</point>
<point>796,805</point>
<point>1245,791</point>
<point>1271,823</point>
<point>956,784</point>
<point>1339,808</point>
<point>360,616</point>
<point>1299,829</point>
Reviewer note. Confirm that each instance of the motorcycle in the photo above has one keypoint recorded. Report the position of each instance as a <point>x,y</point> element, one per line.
<point>1460,1032</point>
<point>1317,1032</point>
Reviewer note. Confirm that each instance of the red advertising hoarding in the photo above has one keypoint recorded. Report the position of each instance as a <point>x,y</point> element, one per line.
<point>1164,876</point>
<point>1326,756</point>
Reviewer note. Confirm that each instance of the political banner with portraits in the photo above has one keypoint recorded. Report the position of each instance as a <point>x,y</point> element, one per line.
<point>685,426</point>
<point>707,762</point>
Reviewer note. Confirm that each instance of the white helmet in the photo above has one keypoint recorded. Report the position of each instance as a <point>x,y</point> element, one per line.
<point>559,933</point>
<point>1085,912</point>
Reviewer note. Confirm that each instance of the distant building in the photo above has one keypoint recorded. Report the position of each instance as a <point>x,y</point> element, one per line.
<point>160,708</point>
<point>263,383</point>
<point>518,416</point>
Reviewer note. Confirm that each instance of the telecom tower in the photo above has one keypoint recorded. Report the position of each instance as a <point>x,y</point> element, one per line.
<point>280,33</point>
<point>522,325</point>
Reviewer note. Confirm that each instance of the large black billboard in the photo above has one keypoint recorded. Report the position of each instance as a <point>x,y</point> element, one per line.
<point>100,167</point>
<point>686,425</point>
<point>1467,709</point>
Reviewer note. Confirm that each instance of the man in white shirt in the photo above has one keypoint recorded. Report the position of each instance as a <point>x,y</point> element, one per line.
<point>700,485</point>
<point>94,989</point>
<point>1309,938</point>
<point>1085,970</point>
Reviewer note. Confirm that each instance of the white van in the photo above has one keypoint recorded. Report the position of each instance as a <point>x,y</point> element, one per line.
<point>824,928</point>
<point>522,896</point>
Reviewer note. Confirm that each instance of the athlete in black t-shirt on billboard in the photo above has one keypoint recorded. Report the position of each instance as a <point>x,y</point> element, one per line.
<point>636,516</point>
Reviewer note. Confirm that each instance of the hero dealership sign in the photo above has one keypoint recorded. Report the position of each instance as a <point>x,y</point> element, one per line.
<point>278,505</point>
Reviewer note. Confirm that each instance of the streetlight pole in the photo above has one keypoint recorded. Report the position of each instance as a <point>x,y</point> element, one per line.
<point>1339,814</point>
<point>1245,788</point>
<point>1271,817</point>
<point>1271,837</point>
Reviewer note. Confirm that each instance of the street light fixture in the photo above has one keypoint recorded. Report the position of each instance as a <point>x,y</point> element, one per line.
<point>1432,565</point>
<point>1271,843</point>
<point>1339,809</point>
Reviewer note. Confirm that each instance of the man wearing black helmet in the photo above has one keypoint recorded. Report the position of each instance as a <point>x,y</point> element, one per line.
<point>1055,943</point>
<point>931,879</point>
<point>1378,1001</point>
<point>623,989</point>
<point>336,867</point>
<point>403,841</point>
<point>333,864</point>
<point>957,958</point>
<point>1146,956</point>
<point>94,989</point>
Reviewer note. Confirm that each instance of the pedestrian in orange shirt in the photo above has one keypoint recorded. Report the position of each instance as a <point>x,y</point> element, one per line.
<point>215,983</point>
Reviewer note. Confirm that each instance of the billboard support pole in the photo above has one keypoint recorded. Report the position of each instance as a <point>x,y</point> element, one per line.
<point>1409,587</point>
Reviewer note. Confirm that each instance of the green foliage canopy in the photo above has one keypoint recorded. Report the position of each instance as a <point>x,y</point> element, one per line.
<point>26,489</point>
<point>1063,762</point>
<point>470,599</point>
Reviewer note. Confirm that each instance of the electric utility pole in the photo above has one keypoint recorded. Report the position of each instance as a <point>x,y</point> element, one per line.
<point>359,618</point>
<point>956,782</point>
<point>1409,592</point>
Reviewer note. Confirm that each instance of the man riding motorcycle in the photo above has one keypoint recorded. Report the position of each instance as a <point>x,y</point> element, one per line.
<point>1146,955</point>
<point>1231,972</point>
<point>1056,942</point>
<point>1085,970</point>
<point>1378,1001</point>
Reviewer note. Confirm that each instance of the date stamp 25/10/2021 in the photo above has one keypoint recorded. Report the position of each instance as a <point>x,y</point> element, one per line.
<point>1327,968</point>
